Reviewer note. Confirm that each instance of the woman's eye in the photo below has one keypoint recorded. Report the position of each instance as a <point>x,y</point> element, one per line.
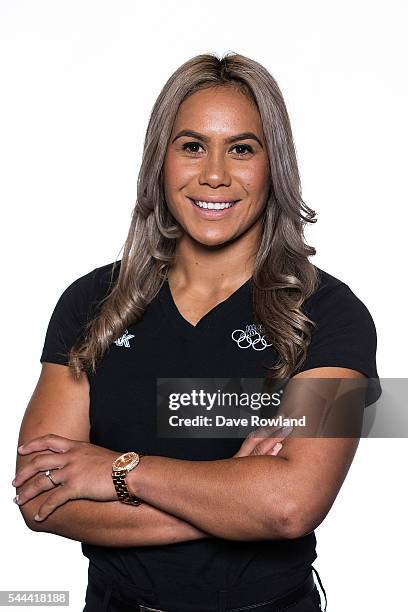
<point>246,148</point>
<point>189,146</point>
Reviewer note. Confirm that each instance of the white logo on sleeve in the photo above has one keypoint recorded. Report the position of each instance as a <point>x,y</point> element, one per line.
<point>124,339</point>
<point>251,336</point>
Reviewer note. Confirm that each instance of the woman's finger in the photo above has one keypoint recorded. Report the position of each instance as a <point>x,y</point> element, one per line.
<point>39,463</point>
<point>50,441</point>
<point>265,437</point>
<point>266,445</point>
<point>53,501</point>
<point>87,468</point>
<point>36,485</point>
<point>250,442</point>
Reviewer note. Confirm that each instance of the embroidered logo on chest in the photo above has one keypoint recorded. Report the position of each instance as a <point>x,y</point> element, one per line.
<point>124,339</point>
<point>251,336</point>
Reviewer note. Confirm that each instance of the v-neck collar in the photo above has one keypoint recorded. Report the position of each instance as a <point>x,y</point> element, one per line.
<point>207,322</point>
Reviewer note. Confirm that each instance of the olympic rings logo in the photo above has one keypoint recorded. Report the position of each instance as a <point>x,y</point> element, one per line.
<point>250,337</point>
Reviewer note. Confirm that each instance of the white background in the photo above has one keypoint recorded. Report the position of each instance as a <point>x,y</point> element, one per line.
<point>78,80</point>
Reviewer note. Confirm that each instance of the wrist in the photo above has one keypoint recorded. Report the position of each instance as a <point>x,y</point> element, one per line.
<point>122,467</point>
<point>136,478</point>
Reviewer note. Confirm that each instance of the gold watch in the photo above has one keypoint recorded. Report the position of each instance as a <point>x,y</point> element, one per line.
<point>120,469</point>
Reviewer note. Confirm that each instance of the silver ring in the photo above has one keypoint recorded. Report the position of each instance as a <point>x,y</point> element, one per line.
<point>48,473</point>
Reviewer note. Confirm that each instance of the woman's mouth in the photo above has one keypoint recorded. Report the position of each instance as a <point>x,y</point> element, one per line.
<point>212,209</point>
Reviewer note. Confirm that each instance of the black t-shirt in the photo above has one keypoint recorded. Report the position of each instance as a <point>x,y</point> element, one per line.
<point>163,344</point>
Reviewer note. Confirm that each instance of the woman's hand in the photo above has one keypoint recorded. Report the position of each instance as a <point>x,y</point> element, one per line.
<point>263,441</point>
<point>79,470</point>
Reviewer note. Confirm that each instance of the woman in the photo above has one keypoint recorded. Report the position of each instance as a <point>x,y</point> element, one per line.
<point>214,281</point>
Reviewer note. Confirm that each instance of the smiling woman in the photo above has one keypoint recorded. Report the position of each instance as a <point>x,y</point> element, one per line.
<point>223,173</point>
<point>215,282</point>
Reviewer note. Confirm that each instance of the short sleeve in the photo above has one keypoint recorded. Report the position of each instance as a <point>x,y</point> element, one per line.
<point>345,336</point>
<point>68,320</point>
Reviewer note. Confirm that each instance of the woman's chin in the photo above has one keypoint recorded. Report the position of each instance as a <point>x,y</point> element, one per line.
<point>212,239</point>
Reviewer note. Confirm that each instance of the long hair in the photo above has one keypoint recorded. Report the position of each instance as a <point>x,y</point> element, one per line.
<point>282,277</point>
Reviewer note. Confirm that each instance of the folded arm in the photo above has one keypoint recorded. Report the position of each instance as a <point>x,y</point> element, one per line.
<point>61,405</point>
<point>111,523</point>
<point>253,497</point>
<point>243,498</point>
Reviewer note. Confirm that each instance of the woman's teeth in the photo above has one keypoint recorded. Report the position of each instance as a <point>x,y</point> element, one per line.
<point>213,205</point>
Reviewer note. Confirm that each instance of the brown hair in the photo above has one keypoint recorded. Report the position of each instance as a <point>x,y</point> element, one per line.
<point>282,277</point>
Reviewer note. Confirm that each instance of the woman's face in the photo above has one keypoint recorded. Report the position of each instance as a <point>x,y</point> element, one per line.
<point>216,154</point>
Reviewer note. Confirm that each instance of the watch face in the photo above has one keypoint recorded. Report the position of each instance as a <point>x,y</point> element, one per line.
<point>127,461</point>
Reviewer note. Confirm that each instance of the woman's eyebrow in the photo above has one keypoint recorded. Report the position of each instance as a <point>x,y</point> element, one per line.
<point>242,136</point>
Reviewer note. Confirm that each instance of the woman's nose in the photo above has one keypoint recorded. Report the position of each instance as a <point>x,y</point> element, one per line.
<point>214,171</point>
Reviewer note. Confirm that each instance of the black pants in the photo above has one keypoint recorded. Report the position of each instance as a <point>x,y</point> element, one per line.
<point>104,594</point>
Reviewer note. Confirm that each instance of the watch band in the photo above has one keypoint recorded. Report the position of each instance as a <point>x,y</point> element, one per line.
<point>124,495</point>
